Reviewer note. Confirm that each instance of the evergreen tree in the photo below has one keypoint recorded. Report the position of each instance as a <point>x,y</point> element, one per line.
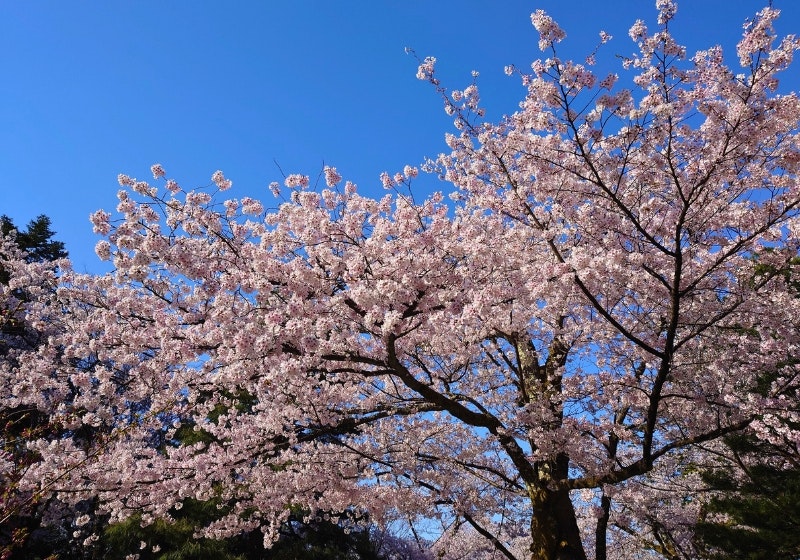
<point>756,514</point>
<point>36,240</point>
<point>317,539</point>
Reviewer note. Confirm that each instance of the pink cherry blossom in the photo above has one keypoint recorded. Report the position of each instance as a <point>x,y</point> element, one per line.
<point>158,171</point>
<point>549,31</point>
<point>332,177</point>
<point>220,181</point>
<point>297,180</point>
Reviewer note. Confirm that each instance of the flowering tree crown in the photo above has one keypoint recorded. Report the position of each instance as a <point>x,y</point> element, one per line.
<point>602,297</point>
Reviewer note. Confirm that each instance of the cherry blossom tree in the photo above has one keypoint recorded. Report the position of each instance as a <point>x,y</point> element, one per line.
<point>40,254</point>
<point>523,364</point>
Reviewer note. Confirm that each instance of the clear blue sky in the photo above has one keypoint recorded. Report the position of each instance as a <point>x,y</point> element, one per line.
<point>93,89</point>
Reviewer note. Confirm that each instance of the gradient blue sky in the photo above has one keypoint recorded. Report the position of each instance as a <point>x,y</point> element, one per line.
<point>93,89</point>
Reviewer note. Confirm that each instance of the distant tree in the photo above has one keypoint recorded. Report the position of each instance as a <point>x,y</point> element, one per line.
<point>36,240</point>
<point>174,540</point>
<point>323,537</point>
<point>755,511</point>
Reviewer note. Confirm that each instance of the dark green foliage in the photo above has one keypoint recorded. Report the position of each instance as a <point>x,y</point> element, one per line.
<point>762,507</point>
<point>323,540</point>
<point>172,541</point>
<point>758,492</point>
<point>316,540</point>
<point>36,240</point>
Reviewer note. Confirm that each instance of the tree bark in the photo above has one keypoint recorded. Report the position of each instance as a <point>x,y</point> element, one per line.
<point>601,532</point>
<point>554,527</point>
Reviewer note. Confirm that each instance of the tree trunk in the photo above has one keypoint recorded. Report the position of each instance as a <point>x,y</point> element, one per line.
<point>601,532</point>
<point>554,528</point>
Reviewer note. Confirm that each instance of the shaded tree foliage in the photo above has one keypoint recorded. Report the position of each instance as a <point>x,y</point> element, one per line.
<point>755,514</point>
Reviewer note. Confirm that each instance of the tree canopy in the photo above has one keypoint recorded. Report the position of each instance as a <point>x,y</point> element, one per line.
<point>36,240</point>
<point>532,368</point>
